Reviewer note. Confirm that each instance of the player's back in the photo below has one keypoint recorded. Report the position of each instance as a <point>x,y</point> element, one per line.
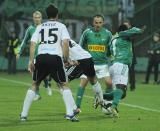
<point>49,35</point>
<point>76,52</point>
<point>121,49</point>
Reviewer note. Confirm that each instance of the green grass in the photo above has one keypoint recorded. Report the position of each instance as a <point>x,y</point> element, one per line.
<point>47,114</point>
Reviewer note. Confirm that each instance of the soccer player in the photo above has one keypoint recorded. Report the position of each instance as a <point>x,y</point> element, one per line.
<point>37,19</point>
<point>121,51</point>
<point>50,42</point>
<point>96,41</point>
<point>84,65</point>
<point>132,79</point>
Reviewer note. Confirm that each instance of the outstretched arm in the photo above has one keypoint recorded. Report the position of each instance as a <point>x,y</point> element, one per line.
<point>131,32</point>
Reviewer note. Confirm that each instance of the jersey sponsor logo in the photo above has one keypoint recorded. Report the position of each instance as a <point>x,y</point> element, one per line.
<point>98,48</point>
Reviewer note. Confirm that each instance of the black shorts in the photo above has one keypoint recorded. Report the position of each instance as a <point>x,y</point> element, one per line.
<point>86,67</point>
<point>73,72</point>
<point>49,64</point>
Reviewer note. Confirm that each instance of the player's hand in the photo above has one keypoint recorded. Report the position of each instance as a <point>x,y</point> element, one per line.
<point>66,64</point>
<point>74,62</point>
<point>31,67</point>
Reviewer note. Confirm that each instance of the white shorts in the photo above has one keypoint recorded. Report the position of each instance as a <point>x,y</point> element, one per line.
<point>101,71</point>
<point>119,73</point>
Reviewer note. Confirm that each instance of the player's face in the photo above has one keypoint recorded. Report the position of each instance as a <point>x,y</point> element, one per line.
<point>37,18</point>
<point>98,23</point>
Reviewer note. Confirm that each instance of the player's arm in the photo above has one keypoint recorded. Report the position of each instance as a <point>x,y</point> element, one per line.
<point>131,32</point>
<point>83,41</point>
<point>24,42</point>
<point>34,40</point>
<point>108,45</point>
<point>65,43</point>
<point>31,57</point>
<point>65,48</point>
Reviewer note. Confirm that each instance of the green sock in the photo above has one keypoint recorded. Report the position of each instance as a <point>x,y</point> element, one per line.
<point>37,92</point>
<point>79,96</point>
<point>108,90</point>
<point>108,96</point>
<point>117,93</point>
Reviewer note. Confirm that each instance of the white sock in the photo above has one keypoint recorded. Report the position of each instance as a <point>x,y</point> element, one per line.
<point>98,90</point>
<point>69,101</point>
<point>27,102</point>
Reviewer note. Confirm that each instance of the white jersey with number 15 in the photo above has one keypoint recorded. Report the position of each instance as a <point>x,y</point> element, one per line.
<point>49,36</point>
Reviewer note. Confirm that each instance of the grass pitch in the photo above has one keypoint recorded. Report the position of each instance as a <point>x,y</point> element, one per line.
<point>140,111</point>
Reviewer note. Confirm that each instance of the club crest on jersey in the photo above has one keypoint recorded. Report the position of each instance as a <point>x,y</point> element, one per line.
<point>98,48</point>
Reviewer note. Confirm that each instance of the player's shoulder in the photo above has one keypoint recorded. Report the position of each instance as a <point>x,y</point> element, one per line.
<point>53,23</point>
<point>31,27</point>
<point>88,30</point>
<point>107,31</point>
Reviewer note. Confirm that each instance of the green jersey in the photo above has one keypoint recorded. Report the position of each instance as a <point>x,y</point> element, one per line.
<point>31,29</point>
<point>97,44</point>
<point>121,46</point>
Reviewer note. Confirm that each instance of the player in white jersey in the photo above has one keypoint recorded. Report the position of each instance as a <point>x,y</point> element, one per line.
<point>85,66</point>
<point>53,39</point>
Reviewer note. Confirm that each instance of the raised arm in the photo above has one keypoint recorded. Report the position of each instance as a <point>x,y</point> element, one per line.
<point>131,32</point>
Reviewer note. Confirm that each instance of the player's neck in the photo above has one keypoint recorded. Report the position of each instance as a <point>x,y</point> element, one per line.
<point>52,19</point>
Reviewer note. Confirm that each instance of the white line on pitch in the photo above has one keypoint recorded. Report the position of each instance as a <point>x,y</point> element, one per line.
<point>125,104</point>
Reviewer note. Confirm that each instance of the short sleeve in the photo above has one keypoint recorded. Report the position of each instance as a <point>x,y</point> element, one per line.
<point>65,34</point>
<point>35,36</point>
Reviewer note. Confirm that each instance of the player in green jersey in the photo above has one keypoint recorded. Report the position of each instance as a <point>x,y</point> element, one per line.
<point>96,41</point>
<point>121,51</point>
<point>37,19</point>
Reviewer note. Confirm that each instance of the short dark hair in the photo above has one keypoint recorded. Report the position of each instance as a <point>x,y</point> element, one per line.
<point>98,15</point>
<point>51,11</point>
<point>122,27</point>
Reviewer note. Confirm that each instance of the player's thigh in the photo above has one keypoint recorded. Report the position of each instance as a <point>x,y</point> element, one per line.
<point>41,69</point>
<point>102,71</point>
<point>73,72</point>
<point>119,74</point>
<point>57,70</point>
<point>87,65</point>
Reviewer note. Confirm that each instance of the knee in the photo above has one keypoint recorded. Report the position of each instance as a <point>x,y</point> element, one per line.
<point>123,88</point>
<point>84,82</point>
<point>35,86</point>
<point>63,85</point>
